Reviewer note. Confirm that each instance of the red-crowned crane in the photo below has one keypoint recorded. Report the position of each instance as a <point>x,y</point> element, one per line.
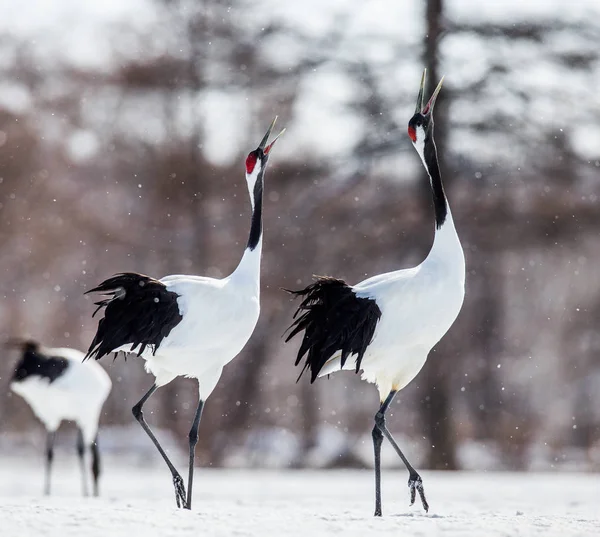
<point>188,326</point>
<point>58,386</point>
<point>387,324</point>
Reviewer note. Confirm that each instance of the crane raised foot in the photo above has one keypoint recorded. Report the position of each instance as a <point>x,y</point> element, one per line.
<point>415,483</point>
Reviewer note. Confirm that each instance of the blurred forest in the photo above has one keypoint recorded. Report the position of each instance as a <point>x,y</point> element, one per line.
<point>122,141</point>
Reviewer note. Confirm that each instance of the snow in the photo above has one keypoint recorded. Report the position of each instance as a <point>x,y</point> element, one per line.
<point>138,498</point>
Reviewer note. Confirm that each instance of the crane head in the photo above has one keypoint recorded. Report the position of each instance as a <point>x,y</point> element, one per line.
<point>422,120</point>
<point>257,159</point>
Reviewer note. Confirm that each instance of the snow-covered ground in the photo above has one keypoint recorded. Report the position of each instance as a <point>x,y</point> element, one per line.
<point>137,500</point>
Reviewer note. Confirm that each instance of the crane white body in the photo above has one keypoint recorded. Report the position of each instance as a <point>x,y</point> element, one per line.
<point>77,395</point>
<point>418,306</point>
<point>208,338</point>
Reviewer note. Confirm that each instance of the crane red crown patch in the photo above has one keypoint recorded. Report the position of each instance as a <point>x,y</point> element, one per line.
<point>412,133</point>
<point>250,162</point>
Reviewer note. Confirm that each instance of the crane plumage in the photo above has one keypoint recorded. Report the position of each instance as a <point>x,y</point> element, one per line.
<point>185,325</point>
<point>58,386</point>
<point>335,322</point>
<point>140,312</point>
<point>386,325</point>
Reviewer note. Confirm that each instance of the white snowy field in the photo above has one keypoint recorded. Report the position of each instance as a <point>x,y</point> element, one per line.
<point>138,500</point>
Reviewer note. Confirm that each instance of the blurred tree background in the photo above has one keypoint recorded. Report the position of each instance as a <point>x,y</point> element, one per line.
<point>123,129</point>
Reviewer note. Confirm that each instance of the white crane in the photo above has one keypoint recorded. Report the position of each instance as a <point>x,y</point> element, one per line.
<point>187,325</point>
<point>387,324</point>
<point>58,386</point>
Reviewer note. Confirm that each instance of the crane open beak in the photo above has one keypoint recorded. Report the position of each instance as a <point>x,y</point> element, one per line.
<point>428,108</point>
<point>263,144</point>
<point>421,93</point>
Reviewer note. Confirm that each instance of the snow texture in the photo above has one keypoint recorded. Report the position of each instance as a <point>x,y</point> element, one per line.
<point>137,500</point>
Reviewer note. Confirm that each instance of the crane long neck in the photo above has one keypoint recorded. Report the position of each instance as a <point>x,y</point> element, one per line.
<point>446,244</point>
<point>248,271</point>
<point>256,199</point>
<point>440,203</point>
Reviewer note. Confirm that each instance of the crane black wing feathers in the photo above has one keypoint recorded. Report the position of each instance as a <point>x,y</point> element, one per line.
<point>334,320</point>
<point>139,311</point>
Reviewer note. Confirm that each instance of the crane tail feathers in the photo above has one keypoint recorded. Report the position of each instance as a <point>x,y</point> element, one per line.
<point>335,321</point>
<point>139,312</point>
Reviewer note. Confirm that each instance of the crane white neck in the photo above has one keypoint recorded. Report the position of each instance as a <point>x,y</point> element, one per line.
<point>446,239</point>
<point>248,270</point>
<point>425,146</point>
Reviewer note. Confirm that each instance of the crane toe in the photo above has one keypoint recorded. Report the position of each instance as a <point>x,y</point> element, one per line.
<point>415,484</point>
<point>180,495</point>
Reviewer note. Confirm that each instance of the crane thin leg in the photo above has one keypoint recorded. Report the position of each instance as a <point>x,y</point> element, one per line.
<point>193,438</point>
<point>377,441</point>
<point>415,483</point>
<point>95,465</point>
<point>177,480</point>
<point>49,457</point>
<point>81,453</point>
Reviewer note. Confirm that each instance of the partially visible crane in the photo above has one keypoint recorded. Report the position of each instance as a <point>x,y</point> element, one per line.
<point>58,386</point>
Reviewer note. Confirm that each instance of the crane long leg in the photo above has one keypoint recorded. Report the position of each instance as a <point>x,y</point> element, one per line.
<point>95,465</point>
<point>415,483</point>
<point>49,457</point>
<point>81,453</point>
<point>193,438</point>
<point>377,441</point>
<point>177,480</point>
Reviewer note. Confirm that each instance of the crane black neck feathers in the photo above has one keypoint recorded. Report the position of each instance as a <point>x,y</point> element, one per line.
<point>440,204</point>
<point>256,225</point>
<point>35,363</point>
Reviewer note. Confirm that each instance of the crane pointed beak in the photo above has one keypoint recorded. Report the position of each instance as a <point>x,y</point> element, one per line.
<point>268,148</point>
<point>265,139</point>
<point>421,93</point>
<point>430,104</point>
